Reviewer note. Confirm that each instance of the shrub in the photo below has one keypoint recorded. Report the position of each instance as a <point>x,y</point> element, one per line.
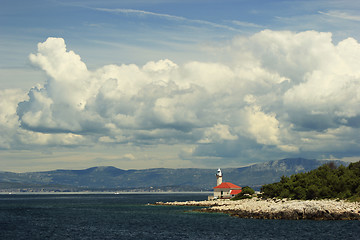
<point>245,193</point>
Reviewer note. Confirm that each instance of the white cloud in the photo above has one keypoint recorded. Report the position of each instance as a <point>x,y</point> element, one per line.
<point>283,92</point>
<point>129,156</point>
<point>14,137</point>
<point>9,123</point>
<point>246,24</point>
<point>342,15</point>
<point>330,91</point>
<point>261,126</point>
<point>218,133</point>
<point>143,13</point>
<point>140,13</point>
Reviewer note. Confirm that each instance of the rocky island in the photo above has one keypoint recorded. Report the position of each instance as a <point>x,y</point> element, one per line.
<point>279,208</point>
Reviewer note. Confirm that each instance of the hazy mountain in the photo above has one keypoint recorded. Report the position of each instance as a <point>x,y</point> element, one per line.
<point>268,172</point>
<point>189,179</point>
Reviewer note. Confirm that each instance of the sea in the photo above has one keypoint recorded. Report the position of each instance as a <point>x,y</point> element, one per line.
<point>131,216</point>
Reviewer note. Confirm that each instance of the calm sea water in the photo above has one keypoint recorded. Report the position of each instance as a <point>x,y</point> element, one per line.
<point>127,216</point>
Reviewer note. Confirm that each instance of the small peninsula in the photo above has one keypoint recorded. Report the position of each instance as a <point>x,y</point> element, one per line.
<point>328,193</point>
<point>279,208</point>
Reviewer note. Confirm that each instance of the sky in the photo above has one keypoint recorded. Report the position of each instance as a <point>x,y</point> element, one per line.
<point>177,83</point>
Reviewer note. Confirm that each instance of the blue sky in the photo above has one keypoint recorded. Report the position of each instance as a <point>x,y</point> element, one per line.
<point>141,84</point>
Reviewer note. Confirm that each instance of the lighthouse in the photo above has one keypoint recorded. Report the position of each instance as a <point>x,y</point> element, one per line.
<point>218,177</point>
<point>224,190</point>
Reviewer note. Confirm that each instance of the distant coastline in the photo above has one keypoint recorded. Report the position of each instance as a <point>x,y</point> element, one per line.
<point>279,209</point>
<point>107,178</point>
<point>102,192</point>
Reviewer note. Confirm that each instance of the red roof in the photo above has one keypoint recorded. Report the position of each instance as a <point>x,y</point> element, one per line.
<point>235,192</point>
<point>228,185</point>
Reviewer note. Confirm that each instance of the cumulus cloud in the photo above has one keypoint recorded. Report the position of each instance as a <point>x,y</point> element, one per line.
<point>270,93</point>
<point>9,123</point>
<point>217,133</point>
<point>263,127</point>
<point>15,137</point>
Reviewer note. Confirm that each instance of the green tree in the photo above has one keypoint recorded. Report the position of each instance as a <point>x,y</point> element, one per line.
<point>246,192</point>
<point>285,193</point>
<point>300,193</point>
<point>312,192</point>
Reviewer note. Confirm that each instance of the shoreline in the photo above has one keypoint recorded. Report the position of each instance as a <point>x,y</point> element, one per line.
<point>278,208</point>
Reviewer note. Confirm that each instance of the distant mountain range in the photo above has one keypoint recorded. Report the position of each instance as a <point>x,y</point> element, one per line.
<point>157,179</point>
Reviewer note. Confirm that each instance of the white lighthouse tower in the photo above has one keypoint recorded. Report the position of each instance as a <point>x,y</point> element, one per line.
<point>218,177</point>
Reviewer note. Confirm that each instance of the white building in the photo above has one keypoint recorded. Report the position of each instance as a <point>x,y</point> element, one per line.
<point>224,189</point>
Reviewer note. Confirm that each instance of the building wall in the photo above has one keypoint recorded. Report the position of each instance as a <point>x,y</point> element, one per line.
<point>225,192</point>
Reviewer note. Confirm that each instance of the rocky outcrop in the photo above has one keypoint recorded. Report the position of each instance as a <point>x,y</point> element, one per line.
<point>280,209</point>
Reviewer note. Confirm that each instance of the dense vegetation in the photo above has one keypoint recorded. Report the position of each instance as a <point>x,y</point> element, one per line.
<point>246,192</point>
<point>327,181</point>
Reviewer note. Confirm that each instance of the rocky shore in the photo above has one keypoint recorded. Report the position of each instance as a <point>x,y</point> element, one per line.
<point>279,209</point>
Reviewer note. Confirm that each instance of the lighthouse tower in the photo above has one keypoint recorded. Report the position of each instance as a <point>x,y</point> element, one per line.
<point>218,177</point>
